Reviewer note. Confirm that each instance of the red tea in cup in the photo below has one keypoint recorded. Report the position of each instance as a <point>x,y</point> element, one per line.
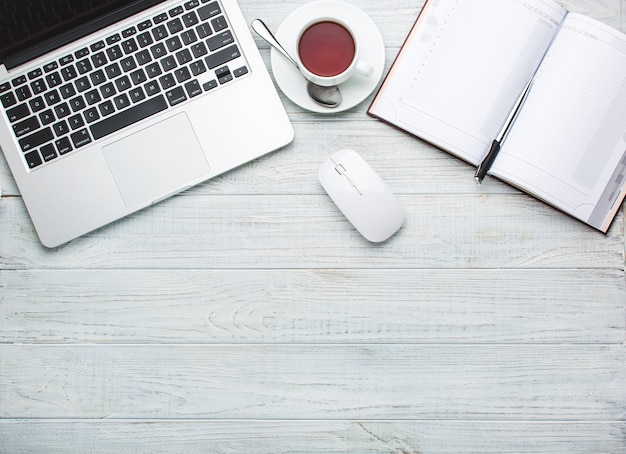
<point>326,48</point>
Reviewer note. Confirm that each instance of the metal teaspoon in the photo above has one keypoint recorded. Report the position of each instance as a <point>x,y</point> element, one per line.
<point>326,96</point>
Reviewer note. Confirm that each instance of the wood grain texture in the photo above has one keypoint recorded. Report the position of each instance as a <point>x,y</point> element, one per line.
<point>247,315</point>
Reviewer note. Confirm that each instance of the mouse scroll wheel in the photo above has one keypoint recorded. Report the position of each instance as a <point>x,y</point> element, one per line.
<point>340,169</point>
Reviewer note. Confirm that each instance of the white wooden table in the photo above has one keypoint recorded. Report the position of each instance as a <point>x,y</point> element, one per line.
<point>246,315</point>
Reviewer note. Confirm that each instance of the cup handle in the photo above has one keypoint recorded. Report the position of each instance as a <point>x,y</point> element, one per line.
<point>362,68</point>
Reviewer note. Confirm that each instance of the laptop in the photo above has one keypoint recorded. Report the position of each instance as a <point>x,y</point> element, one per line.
<point>109,106</point>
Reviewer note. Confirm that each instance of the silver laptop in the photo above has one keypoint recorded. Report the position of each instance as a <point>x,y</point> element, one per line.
<point>109,106</point>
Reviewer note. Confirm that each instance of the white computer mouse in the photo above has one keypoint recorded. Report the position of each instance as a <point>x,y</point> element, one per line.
<point>361,195</point>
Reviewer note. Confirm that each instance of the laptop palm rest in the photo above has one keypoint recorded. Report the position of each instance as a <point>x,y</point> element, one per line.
<point>156,161</point>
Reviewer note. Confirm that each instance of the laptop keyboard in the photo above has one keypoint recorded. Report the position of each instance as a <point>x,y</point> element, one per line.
<point>125,78</point>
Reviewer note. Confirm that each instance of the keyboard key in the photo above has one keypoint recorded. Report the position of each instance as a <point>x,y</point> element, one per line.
<point>8,99</point>
<point>190,19</point>
<point>167,81</point>
<point>68,73</point>
<point>222,56</point>
<point>114,53</point>
<point>152,88</point>
<point>159,33</point>
<point>173,43</point>
<point>23,93</point>
<point>26,127</point>
<point>66,60</point>
<point>144,39</point>
<point>107,90</point>
<point>193,88</point>
<point>127,117</point>
<point>144,25</point>
<point>210,10</point>
<point>175,26</point>
<point>63,145</point>
<point>129,46</point>
<point>123,84</point>
<point>99,59</point>
<point>188,37</point>
<point>20,80</point>
<point>18,112</point>
<point>81,53</point>
<point>76,122</point>
<point>183,57</point>
<point>106,108</point>
<point>91,115</point>
<point>197,68</point>
<point>60,128</point>
<point>92,97</point>
<point>62,110</point>
<point>210,85</point>
<point>54,79</point>
<point>176,96</point>
<point>121,102</point>
<point>182,74</point>
<point>35,73</point>
<point>52,97</point>
<point>143,57</point>
<point>176,11</point>
<point>204,30</point>
<point>153,70</point>
<point>34,140</point>
<point>80,138</point>
<point>46,117</point>
<point>220,40</point>
<point>114,39</point>
<point>50,67</point>
<point>160,18</point>
<point>139,76</point>
<point>33,159</point>
<point>97,77</point>
<point>168,63</point>
<point>158,51</point>
<point>113,71</point>
<point>219,23</point>
<point>38,86</point>
<point>77,103</point>
<point>37,104</point>
<point>67,91</point>
<point>192,4</point>
<point>199,50</point>
<point>129,32</point>
<point>84,66</point>
<point>82,84</point>
<point>128,64</point>
<point>48,152</point>
<point>97,46</point>
<point>240,71</point>
<point>136,95</point>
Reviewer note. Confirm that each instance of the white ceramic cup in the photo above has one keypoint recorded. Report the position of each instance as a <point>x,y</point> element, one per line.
<point>356,66</point>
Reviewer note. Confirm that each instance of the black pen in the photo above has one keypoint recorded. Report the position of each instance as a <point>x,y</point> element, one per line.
<point>485,164</point>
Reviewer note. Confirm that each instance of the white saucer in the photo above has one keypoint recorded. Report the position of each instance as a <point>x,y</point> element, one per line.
<point>372,50</point>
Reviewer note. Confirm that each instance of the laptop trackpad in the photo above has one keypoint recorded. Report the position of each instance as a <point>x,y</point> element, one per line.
<point>154,162</point>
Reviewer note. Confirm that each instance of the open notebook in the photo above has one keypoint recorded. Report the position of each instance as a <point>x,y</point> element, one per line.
<point>462,69</point>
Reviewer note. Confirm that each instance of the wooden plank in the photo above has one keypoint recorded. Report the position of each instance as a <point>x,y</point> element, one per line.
<point>326,436</point>
<point>504,231</point>
<point>322,306</point>
<point>313,381</point>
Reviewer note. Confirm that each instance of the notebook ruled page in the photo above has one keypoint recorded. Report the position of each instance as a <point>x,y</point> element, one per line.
<point>571,134</point>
